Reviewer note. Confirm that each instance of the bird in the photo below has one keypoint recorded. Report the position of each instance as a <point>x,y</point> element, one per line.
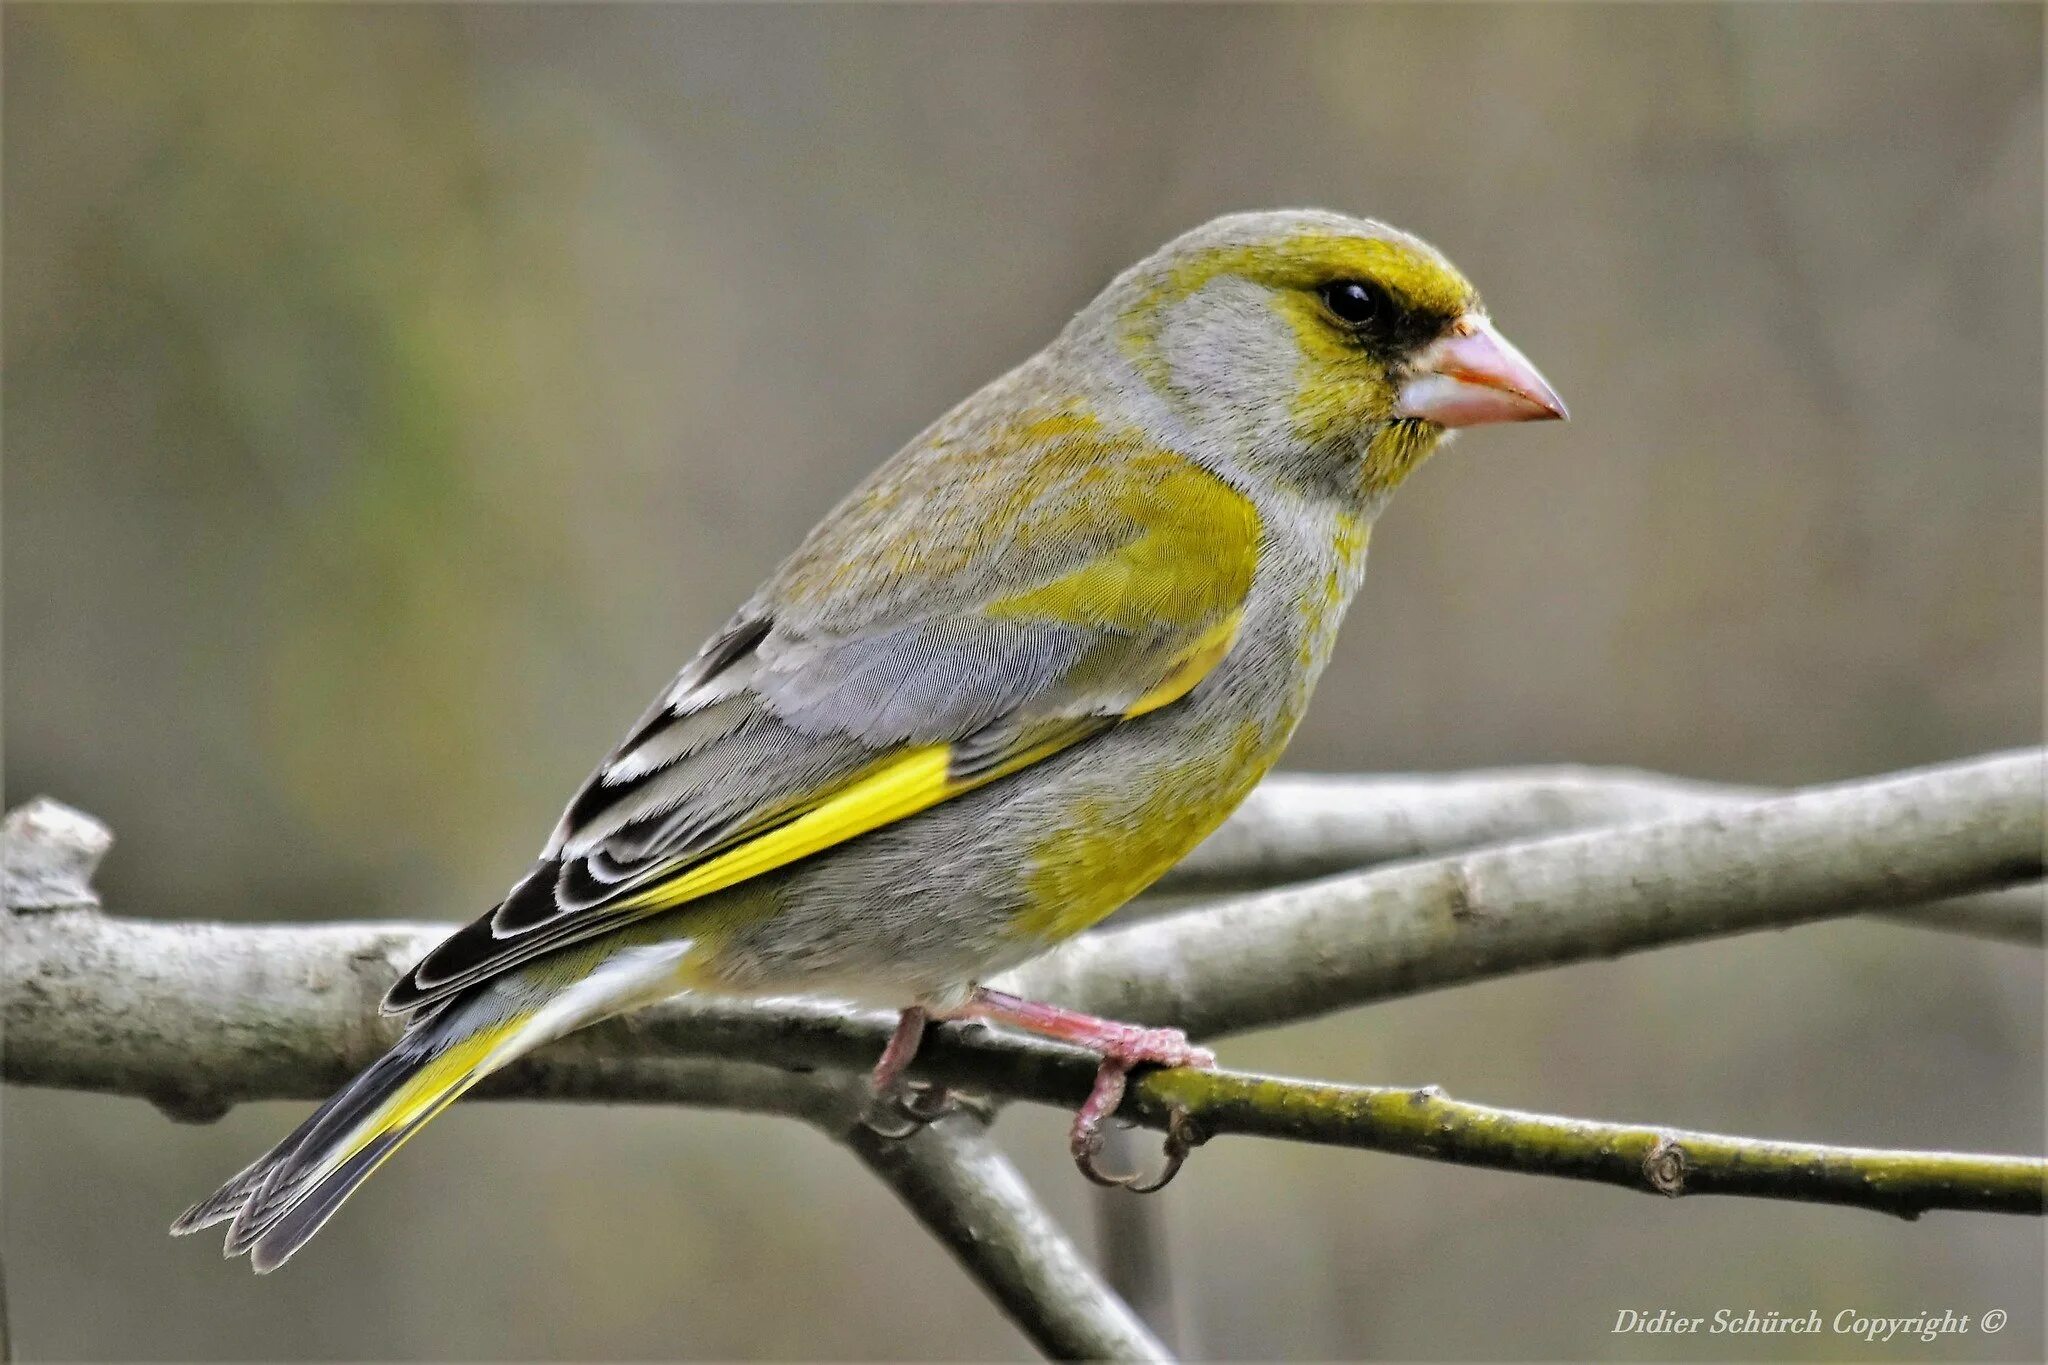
<point>1016,674</point>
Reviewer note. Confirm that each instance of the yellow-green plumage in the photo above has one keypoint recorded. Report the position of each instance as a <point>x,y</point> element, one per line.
<point>1003,686</point>
<point>1086,868</point>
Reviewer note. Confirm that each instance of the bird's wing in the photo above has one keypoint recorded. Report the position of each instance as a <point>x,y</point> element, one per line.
<point>907,653</point>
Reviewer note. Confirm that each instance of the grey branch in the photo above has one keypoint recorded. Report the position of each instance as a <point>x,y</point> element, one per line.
<point>1302,951</point>
<point>967,1195</point>
<point>48,853</point>
<point>950,1176</point>
<point>200,1016</point>
<point>1420,1123</point>
<point>1300,826</point>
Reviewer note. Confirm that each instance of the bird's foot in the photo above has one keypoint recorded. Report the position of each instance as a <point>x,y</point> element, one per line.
<point>1124,1047</point>
<point>911,1107</point>
<point>1144,1047</point>
<point>900,1107</point>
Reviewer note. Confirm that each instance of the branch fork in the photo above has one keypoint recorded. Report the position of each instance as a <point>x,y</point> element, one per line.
<point>198,1017</point>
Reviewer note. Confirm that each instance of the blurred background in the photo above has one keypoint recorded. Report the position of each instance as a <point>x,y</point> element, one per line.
<point>395,396</point>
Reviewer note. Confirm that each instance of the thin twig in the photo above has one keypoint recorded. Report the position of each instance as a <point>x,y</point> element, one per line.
<point>1428,1123</point>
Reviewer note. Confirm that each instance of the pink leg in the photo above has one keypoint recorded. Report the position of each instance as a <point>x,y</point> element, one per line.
<point>1123,1047</point>
<point>901,1050</point>
<point>898,1111</point>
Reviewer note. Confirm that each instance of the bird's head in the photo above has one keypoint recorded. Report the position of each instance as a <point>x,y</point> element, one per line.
<point>1323,347</point>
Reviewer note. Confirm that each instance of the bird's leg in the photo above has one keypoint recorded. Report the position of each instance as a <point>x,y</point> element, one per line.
<point>899,1109</point>
<point>901,1050</point>
<point>1122,1047</point>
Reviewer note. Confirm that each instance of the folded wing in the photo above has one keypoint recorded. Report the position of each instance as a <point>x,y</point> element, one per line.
<point>909,652</point>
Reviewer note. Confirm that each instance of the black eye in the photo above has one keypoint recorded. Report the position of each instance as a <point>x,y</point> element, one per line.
<point>1356,303</point>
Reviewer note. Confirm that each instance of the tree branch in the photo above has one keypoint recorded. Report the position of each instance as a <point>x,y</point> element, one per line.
<point>1404,1121</point>
<point>951,1177</point>
<point>200,1015</point>
<point>955,1181</point>
<point>1303,951</point>
<point>967,1195</point>
<point>1426,1122</point>
<point>197,1017</point>
<point>1298,826</point>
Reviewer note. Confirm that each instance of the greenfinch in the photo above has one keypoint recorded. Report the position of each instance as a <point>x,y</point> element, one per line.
<point>1012,678</point>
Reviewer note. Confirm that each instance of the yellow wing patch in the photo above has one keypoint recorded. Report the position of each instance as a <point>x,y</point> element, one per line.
<point>900,786</point>
<point>1192,564</point>
<point>1194,666</point>
<point>912,781</point>
<point>1188,573</point>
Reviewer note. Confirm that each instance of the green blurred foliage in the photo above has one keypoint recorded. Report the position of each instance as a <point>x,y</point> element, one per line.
<point>347,315</point>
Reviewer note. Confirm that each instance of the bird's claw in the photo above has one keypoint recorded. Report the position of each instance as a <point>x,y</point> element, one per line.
<point>1183,1135</point>
<point>898,1113</point>
<point>927,1103</point>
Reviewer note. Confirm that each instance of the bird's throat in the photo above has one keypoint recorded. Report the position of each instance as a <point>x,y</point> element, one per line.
<point>1394,452</point>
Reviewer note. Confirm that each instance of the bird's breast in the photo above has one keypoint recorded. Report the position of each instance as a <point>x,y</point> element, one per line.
<point>1113,842</point>
<point>1162,784</point>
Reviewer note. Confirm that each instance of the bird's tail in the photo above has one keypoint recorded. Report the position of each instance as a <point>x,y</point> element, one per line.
<point>281,1199</point>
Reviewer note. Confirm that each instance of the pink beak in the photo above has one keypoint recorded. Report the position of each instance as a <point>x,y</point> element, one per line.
<point>1475,376</point>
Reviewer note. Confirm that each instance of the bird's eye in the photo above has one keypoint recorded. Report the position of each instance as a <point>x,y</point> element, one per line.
<point>1356,303</point>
